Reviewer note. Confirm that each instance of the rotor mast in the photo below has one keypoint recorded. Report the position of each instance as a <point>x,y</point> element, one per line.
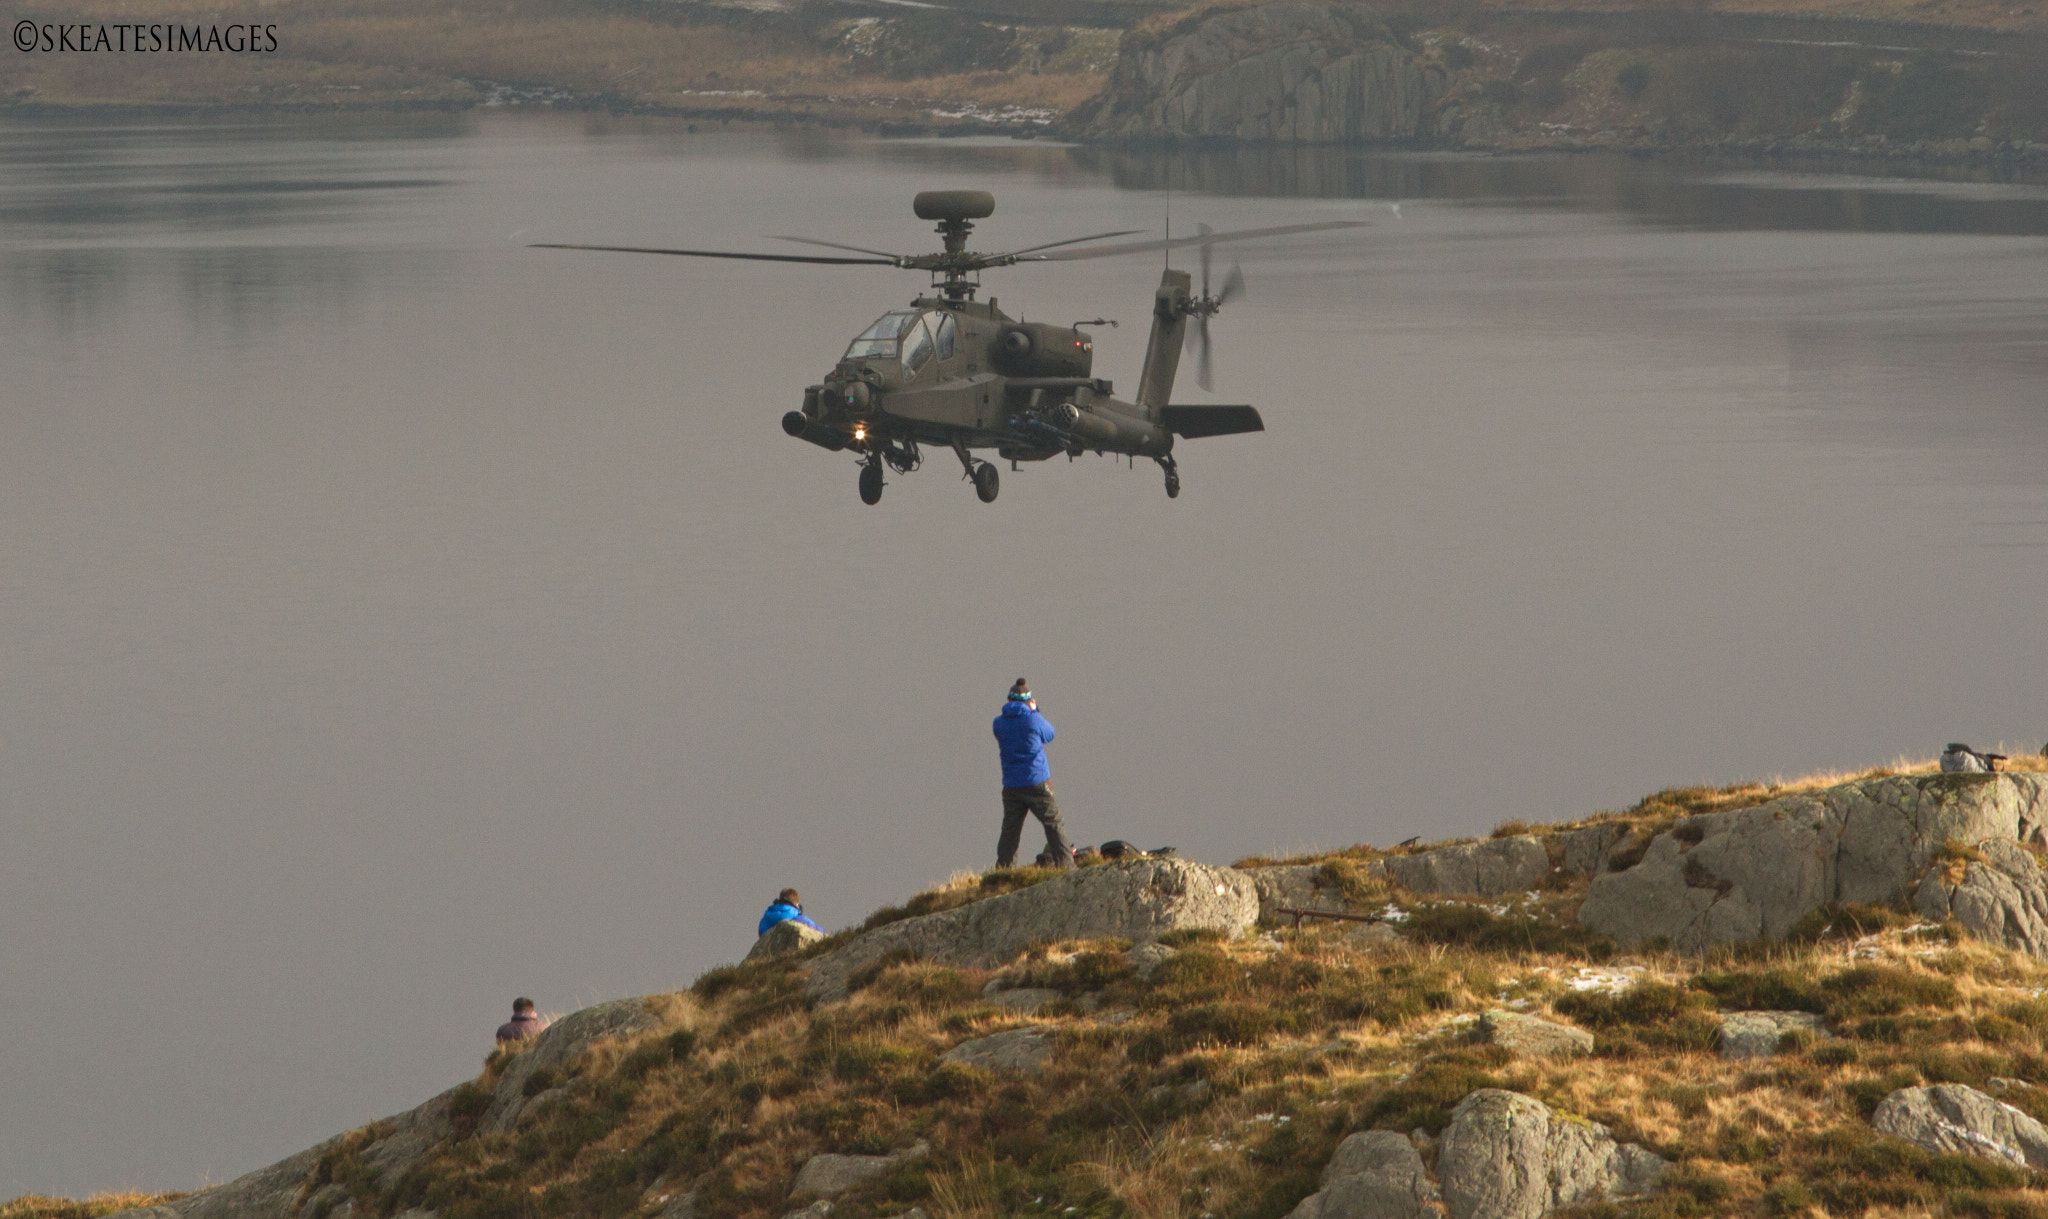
<point>956,211</point>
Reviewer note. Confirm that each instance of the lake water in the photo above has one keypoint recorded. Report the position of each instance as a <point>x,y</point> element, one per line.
<point>396,619</point>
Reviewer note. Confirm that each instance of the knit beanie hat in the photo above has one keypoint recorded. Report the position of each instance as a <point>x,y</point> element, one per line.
<point>1021,692</point>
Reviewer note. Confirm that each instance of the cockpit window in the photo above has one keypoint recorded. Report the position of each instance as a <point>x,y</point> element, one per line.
<point>945,336</point>
<point>917,347</point>
<point>879,340</point>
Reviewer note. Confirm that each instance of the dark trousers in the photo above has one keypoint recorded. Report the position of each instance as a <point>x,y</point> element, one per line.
<point>1042,804</point>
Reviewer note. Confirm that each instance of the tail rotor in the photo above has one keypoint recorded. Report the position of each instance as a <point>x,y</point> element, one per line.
<point>1206,306</point>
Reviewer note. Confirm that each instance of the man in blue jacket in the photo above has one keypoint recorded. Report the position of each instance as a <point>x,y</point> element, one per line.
<point>787,907</point>
<point>1021,737</point>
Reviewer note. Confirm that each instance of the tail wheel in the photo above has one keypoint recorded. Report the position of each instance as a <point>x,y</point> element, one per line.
<point>987,482</point>
<point>871,483</point>
<point>1172,484</point>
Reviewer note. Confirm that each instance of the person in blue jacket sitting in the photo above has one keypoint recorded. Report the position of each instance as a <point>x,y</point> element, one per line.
<point>1021,737</point>
<point>787,907</point>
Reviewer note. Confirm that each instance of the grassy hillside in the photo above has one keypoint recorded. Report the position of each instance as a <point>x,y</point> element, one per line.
<point>1219,1084</point>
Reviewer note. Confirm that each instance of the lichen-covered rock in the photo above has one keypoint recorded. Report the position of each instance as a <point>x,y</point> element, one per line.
<point>1760,1034</point>
<point>1955,1118</point>
<point>2003,899</point>
<point>784,938</point>
<point>1017,1052</point>
<point>1529,1037</point>
<point>558,1045</point>
<point>1746,874</point>
<point>1142,900</point>
<point>1474,869</point>
<point>1302,886</point>
<point>828,1176</point>
<point>1294,71</point>
<point>1374,1174</point>
<point>1583,852</point>
<point>1508,1156</point>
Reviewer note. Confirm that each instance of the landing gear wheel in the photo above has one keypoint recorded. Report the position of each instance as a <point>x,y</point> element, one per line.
<point>987,482</point>
<point>1172,469</point>
<point>871,483</point>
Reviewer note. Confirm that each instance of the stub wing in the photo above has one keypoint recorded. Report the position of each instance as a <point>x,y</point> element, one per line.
<point>1193,422</point>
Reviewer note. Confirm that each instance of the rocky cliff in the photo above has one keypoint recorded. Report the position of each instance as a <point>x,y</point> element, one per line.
<point>1294,71</point>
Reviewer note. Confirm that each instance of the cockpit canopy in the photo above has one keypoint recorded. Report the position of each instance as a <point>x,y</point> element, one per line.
<point>909,335</point>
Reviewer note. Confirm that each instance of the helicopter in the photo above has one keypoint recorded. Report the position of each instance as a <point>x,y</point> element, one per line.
<point>952,372</point>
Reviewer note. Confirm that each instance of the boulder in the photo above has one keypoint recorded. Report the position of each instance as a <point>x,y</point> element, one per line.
<point>1017,1052</point>
<point>1302,886</point>
<point>1955,1118</point>
<point>1375,1174</point>
<point>1583,852</point>
<point>828,1176</point>
<point>816,1210</point>
<point>1507,1156</point>
<point>1294,71</point>
<point>1372,935</point>
<point>1147,957</point>
<point>558,1045</point>
<point>1474,869</point>
<point>1528,1037</point>
<point>2003,899</point>
<point>1746,874</point>
<point>1024,1000</point>
<point>782,939</point>
<point>1140,900</point>
<point>682,1206</point>
<point>1760,1034</point>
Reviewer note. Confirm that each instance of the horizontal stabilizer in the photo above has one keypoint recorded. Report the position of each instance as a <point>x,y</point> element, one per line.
<point>1197,421</point>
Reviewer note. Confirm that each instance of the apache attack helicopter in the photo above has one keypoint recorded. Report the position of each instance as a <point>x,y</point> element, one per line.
<point>953,371</point>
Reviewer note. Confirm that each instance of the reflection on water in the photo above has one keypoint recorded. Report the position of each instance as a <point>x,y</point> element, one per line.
<point>373,583</point>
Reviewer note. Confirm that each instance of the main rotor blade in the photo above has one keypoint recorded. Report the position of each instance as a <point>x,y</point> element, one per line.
<point>634,249</point>
<point>1032,249</point>
<point>833,245</point>
<point>1208,249</point>
<point>1175,243</point>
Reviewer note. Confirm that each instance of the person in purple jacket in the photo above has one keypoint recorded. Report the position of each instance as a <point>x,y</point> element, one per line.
<point>525,1022</point>
<point>1021,737</point>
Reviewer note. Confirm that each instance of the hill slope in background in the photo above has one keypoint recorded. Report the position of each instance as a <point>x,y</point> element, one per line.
<point>1932,79</point>
<point>1160,1040</point>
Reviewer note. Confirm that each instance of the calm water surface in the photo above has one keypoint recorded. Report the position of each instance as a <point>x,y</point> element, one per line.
<point>396,619</point>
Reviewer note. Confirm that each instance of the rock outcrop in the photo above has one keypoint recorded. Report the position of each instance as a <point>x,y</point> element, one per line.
<point>396,1144</point>
<point>1476,869</point>
<point>1136,901</point>
<point>1955,1118</point>
<point>1528,1037</point>
<point>828,1176</point>
<point>1301,886</point>
<point>1762,1034</point>
<point>1508,1156</point>
<point>2002,898</point>
<point>782,939</point>
<point>1375,1174</point>
<point>558,1045</point>
<point>1295,71</point>
<point>1747,874</point>
<point>1017,1052</point>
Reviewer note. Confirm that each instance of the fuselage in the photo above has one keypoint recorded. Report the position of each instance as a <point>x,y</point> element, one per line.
<point>962,373</point>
